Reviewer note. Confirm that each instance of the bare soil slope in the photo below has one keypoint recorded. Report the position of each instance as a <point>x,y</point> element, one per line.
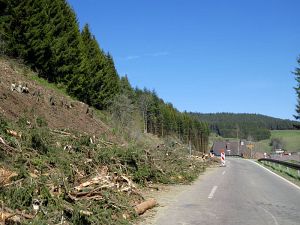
<point>60,111</point>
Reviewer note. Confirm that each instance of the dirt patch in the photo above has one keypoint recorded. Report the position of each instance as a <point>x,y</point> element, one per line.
<point>34,100</point>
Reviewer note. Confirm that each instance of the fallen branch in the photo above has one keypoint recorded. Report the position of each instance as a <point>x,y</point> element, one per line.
<point>2,141</point>
<point>14,133</point>
<point>144,206</point>
<point>159,169</point>
<point>96,197</point>
<point>9,211</point>
<point>105,142</point>
<point>4,217</point>
<point>61,132</point>
<point>69,209</point>
<point>95,180</point>
<point>5,176</point>
<point>8,149</point>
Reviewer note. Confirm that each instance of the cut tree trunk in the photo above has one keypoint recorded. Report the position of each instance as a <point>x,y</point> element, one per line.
<point>144,206</point>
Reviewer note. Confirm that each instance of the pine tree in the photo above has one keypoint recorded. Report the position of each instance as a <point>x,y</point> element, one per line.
<point>37,52</point>
<point>4,17</point>
<point>111,82</point>
<point>297,88</point>
<point>14,27</point>
<point>65,43</point>
<point>91,65</point>
<point>98,82</point>
<point>126,89</point>
<point>46,35</point>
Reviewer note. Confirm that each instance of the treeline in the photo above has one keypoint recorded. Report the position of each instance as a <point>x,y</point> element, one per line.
<point>45,34</point>
<point>158,117</point>
<point>246,126</point>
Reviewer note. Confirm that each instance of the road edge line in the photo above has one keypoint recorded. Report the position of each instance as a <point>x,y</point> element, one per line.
<point>273,217</point>
<point>291,183</point>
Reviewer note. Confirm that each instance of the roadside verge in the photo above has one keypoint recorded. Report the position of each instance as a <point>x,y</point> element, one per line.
<point>293,182</point>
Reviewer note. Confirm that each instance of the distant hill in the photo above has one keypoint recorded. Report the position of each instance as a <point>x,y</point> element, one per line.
<point>248,126</point>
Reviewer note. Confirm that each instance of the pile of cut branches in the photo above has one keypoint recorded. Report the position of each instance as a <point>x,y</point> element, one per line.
<point>66,177</point>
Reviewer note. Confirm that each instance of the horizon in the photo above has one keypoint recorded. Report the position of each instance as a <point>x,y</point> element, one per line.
<point>257,114</point>
<point>203,56</point>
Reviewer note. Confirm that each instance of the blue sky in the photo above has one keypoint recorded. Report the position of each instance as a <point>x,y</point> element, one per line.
<point>203,55</point>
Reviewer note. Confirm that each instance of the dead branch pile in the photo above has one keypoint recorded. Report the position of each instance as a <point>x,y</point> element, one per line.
<point>5,176</point>
<point>91,189</point>
<point>7,148</point>
<point>197,158</point>
<point>9,216</point>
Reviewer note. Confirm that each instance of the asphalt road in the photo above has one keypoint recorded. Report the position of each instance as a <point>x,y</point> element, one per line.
<point>241,193</point>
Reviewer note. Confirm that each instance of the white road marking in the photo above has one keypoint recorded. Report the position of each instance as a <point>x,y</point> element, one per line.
<point>223,172</point>
<point>276,175</point>
<point>273,217</point>
<point>211,195</point>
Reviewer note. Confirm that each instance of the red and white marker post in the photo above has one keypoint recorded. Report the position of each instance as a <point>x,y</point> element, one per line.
<point>223,158</point>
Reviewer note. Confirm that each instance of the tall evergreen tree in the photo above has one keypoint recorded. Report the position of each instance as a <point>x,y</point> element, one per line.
<point>98,81</point>
<point>111,82</point>
<point>65,43</point>
<point>37,52</point>
<point>297,88</point>
<point>85,84</point>
<point>14,27</point>
<point>4,17</point>
<point>46,35</point>
<point>125,88</point>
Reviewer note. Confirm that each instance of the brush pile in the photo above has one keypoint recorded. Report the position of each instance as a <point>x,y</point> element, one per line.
<point>51,176</point>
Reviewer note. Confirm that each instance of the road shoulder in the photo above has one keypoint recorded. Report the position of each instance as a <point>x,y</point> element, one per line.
<point>165,196</point>
<point>285,178</point>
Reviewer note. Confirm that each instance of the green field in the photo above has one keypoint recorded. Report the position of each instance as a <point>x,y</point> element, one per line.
<point>291,140</point>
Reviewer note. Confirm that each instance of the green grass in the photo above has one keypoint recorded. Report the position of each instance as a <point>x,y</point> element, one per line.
<point>55,87</point>
<point>290,174</point>
<point>291,139</point>
<point>22,70</point>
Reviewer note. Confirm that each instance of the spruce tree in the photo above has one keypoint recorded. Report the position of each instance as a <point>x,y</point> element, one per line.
<point>126,89</point>
<point>111,81</point>
<point>37,52</point>
<point>297,88</point>
<point>98,82</point>
<point>90,67</point>
<point>65,41</point>
<point>14,26</point>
